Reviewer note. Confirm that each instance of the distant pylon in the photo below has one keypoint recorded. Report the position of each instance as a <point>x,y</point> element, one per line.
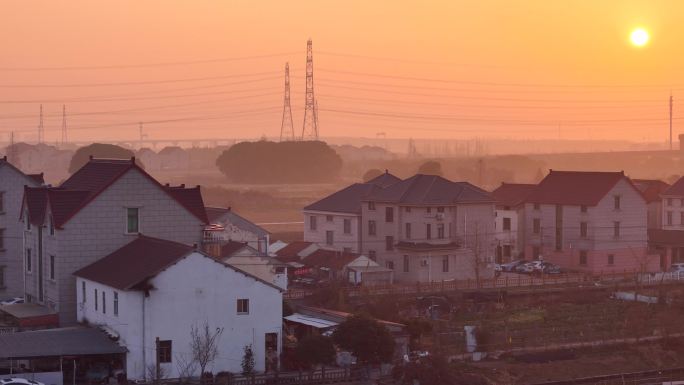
<point>310,127</point>
<point>41,129</point>
<point>65,138</point>
<point>286,126</point>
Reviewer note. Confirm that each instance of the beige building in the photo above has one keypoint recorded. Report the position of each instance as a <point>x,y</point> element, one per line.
<point>508,234</point>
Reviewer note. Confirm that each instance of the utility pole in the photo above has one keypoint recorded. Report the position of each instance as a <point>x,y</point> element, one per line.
<point>41,129</point>
<point>64,126</point>
<point>310,127</point>
<point>671,102</point>
<point>286,126</point>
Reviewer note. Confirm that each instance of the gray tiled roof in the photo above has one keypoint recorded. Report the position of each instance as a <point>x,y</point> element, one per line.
<point>218,214</point>
<point>57,342</point>
<point>423,189</point>
<point>347,200</point>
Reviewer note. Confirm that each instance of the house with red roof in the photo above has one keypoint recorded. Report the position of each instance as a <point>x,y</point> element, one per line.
<point>12,182</point>
<point>651,190</point>
<point>588,221</point>
<point>101,207</point>
<point>510,202</point>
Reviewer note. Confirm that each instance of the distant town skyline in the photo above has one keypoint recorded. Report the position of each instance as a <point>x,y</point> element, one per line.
<point>443,69</point>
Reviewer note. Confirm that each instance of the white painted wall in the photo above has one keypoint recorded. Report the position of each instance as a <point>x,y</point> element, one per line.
<point>341,240</point>
<point>194,290</point>
<point>260,267</point>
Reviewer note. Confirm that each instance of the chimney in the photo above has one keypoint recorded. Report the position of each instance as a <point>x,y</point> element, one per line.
<point>90,156</point>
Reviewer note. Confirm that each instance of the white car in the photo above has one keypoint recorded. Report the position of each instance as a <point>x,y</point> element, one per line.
<point>12,301</point>
<point>676,268</point>
<point>19,381</point>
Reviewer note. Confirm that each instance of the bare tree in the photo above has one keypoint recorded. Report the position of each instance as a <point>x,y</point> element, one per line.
<point>204,345</point>
<point>156,373</point>
<point>186,368</point>
<point>643,260</point>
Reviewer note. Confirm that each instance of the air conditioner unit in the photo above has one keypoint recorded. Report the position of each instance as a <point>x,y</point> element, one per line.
<point>440,216</point>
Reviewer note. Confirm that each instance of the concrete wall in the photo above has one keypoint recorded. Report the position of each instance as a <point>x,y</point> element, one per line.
<point>99,229</point>
<point>507,237</point>
<point>195,290</point>
<point>673,206</point>
<point>11,255</point>
<point>352,240</point>
<point>260,267</point>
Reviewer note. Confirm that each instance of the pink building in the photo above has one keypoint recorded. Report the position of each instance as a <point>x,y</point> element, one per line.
<point>588,221</point>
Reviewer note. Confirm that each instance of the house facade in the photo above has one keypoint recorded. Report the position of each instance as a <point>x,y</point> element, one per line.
<point>652,189</point>
<point>673,206</point>
<point>588,221</point>
<point>508,223</point>
<point>225,225</point>
<point>12,182</point>
<point>137,289</point>
<point>100,208</point>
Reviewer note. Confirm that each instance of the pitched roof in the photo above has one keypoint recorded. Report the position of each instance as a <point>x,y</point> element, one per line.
<point>39,178</point>
<point>384,180</point>
<point>292,250</point>
<point>134,263</point>
<point>190,198</point>
<point>98,174</point>
<point>334,260</point>
<point>347,200</point>
<point>676,189</point>
<point>666,237</point>
<point>216,214</point>
<point>33,178</point>
<point>579,188</point>
<point>35,200</point>
<point>651,188</point>
<point>232,247</point>
<point>422,189</point>
<point>512,194</point>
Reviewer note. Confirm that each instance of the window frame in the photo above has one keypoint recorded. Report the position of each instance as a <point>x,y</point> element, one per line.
<point>584,230</point>
<point>536,225</point>
<point>372,227</point>
<point>84,292</point>
<point>346,224</point>
<point>616,229</point>
<point>389,214</point>
<point>104,302</point>
<point>28,260</point>
<point>371,206</point>
<point>506,224</point>
<point>329,237</point>
<point>128,217</point>
<point>51,225</point>
<point>583,258</point>
<point>617,202</point>
<point>164,351</point>
<point>440,231</point>
<point>611,260</point>
<point>406,266</point>
<point>445,264</point>
<point>313,223</point>
<point>242,306</point>
<point>2,238</point>
<point>53,268</point>
<point>389,243</point>
<point>115,303</point>
<point>407,230</point>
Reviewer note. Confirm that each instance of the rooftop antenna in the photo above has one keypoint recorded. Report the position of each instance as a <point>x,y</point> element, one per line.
<point>310,127</point>
<point>286,126</point>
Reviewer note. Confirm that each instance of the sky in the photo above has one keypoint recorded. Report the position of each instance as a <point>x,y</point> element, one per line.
<point>526,69</point>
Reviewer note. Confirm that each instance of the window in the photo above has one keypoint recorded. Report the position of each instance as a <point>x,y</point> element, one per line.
<point>104,302</point>
<point>616,229</point>
<point>536,225</point>
<point>583,257</point>
<point>390,264</point>
<point>535,252</point>
<point>583,229</point>
<point>132,220</point>
<point>445,264</point>
<point>51,225</point>
<point>371,255</point>
<point>611,259</point>
<point>429,210</point>
<point>29,260</point>
<point>408,231</point>
<point>507,224</point>
<point>329,237</point>
<point>2,277</point>
<point>681,219</point>
<point>2,202</point>
<point>52,267</point>
<point>440,231</point>
<point>83,291</point>
<point>27,220</point>
<point>116,303</point>
<point>346,250</point>
<point>583,208</point>
<point>681,202</point>
<point>669,201</point>
<point>428,231</point>
<point>164,351</point>
<point>616,201</point>
<point>95,296</point>
<point>536,206</point>
<point>329,218</point>
<point>371,228</point>
<point>406,264</point>
<point>347,226</point>
<point>407,209</point>
<point>312,223</point>
<point>2,239</point>
<point>669,218</point>
<point>507,251</point>
<point>389,243</point>
<point>243,306</point>
<point>389,214</point>
<point>371,205</point>
<point>440,209</point>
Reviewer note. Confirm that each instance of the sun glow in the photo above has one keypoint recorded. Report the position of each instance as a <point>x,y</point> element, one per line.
<point>639,37</point>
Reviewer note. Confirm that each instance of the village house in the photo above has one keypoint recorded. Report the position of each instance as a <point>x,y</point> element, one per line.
<point>247,258</point>
<point>335,221</point>
<point>651,190</point>
<point>151,292</point>
<point>101,207</point>
<point>347,267</point>
<point>226,225</point>
<point>510,199</point>
<point>667,240</point>
<point>12,182</point>
<point>589,221</point>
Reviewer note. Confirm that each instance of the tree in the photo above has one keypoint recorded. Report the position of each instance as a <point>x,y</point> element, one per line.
<point>371,174</point>
<point>204,345</point>
<point>416,327</point>
<point>248,360</point>
<point>368,340</point>
<point>315,350</point>
<point>99,150</point>
<point>282,162</point>
<point>431,167</point>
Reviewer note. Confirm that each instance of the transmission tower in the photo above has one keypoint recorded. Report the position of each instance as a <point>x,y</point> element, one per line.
<point>65,138</point>
<point>310,128</point>
<point>286,126</point>
<point>41,129</point>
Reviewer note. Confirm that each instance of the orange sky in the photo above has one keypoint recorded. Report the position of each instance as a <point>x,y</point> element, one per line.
<point>453,69</point>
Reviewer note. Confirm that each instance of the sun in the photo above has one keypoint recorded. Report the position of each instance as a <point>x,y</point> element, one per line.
<point>639,37</point>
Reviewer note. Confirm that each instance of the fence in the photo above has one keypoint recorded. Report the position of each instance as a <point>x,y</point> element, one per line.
<point>664,377</point>
<point>324,376</point>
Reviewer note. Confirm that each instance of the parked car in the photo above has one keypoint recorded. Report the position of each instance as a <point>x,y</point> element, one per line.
<point>526,268</point>
<point>19,381</point>
<point>550,268</point>
<point>12,301</point>
<point>676,268</point>
<point>511,266</point>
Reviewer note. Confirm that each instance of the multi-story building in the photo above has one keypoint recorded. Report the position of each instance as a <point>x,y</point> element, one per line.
<point>508,231</point>
<point>589,221</point>
<point>427,228</point>
<point>334,222</point>
<point>651,190</point>
<point>151,293</point>
<point>12,182</point>
<point>100,208</point>
<point>673,206</point>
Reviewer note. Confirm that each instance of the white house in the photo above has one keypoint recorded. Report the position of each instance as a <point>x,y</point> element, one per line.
<point>12,182</point>
<point>156,290</point>
<point>226,225</point>
<point>510,202</point>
